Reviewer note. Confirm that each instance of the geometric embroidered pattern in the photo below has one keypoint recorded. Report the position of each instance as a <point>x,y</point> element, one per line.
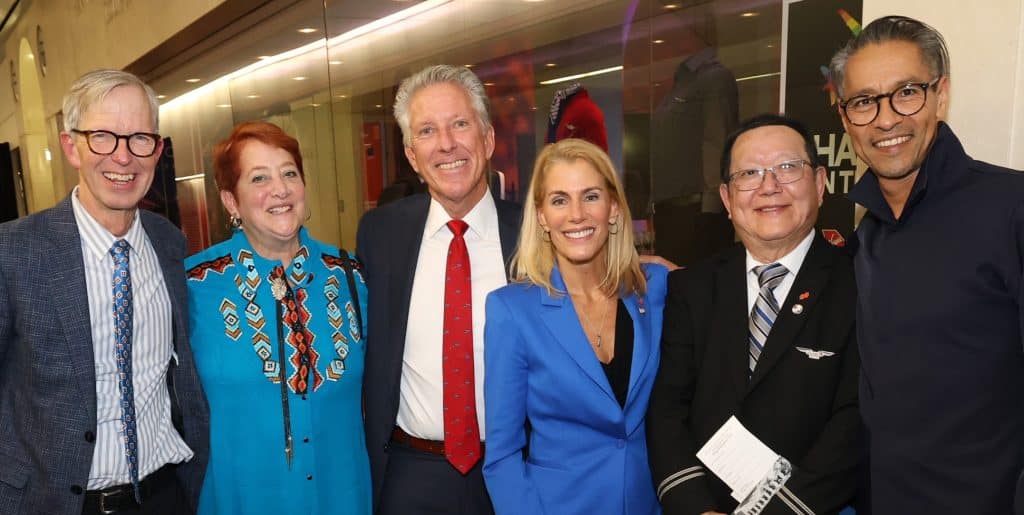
<point>254,315</point>
<point>336,367</point>
<point>121,281</point>
<point>353,324</point>
<point>765,310</point>
<point>304,357</point>
<point>298,274</point>
<point>218,265</point>
<point>229,311</point>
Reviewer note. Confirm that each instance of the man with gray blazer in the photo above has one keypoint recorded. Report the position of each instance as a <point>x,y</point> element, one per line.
<point>101,410</point>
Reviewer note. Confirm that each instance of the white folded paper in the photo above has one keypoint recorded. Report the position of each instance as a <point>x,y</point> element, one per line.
<point>738,458</point>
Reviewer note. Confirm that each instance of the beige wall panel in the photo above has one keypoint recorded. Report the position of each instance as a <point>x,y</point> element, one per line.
<point>986,43</point>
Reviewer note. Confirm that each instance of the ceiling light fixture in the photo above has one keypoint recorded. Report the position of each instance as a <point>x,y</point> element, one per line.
<point>759,76</point>
<point>318,45</point>
<point>602,71</point>
<point>299,78</point>
<point>749,14</point>
<point>307,30</point>
<point>193,80</point>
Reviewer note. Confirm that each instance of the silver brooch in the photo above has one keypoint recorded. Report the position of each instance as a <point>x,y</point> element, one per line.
<point>278,288</point>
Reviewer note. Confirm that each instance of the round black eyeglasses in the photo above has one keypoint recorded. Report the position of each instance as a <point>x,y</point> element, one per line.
<point>104,143</point>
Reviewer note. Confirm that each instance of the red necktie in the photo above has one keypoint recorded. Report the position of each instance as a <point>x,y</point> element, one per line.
<point>461,433</point>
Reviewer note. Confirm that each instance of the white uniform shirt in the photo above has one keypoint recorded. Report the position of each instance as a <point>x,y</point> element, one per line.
<point>420,407</point>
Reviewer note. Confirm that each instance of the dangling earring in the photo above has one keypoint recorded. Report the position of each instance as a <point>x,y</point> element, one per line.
<point>613,225</point>
<point>236,222</point>
<point>545,235</point>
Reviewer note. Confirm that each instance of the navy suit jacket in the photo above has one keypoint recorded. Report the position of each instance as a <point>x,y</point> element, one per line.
<point>587,454</point>
<point>47,368</point>
<point>801,403</point>
<point>388,246</point>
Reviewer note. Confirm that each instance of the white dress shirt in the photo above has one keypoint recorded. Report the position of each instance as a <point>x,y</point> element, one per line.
<point>158,442</point>
<point>791,261</point>
<point>420,407</point>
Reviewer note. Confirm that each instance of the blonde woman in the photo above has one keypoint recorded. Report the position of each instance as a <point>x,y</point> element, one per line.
<point>571,349</point>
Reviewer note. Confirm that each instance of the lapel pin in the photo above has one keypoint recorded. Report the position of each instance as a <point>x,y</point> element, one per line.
<point>805,295</point>
<point>798,308</point>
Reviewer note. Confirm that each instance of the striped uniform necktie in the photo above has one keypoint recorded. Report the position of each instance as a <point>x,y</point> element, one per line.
<point>766,309</point>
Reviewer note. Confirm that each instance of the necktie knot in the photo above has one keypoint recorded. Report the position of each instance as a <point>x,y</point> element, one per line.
<point>458,227</point>
<point>119,251</point>
<point>770,276</point>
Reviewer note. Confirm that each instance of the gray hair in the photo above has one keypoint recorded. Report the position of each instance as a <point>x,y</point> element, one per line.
<point>893,28</point>
<point>91,88</point>
<point>439,74</point>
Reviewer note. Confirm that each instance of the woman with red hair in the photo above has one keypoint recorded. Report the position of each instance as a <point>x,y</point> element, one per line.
<point>277,328</point>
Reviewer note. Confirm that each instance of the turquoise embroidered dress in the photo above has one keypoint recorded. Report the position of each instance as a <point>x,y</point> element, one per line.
<point>235,326</point>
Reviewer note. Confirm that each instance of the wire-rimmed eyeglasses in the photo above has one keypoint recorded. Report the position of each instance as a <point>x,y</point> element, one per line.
<point>785,173</point>
<point>104,143</point>
<point>906,100</point>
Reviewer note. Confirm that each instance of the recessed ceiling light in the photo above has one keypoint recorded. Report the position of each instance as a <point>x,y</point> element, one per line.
<point>223,105</point>
<point>335,62</point>
<point>378,106</point>
<point>658,41</point>
<point>299,78</point>
<point>161,96</point>
<point>193,80</point>
<point>342,96</point>
<point>749,14</point>
<point>550,65</point>
<point>307,30</point>
<point>252,96</point>
<point>314,105</point>
<point>670,6</point>
<point>771,45</point>
<point>488,84</point>
<point>468,65</point>
<point>262,57</point>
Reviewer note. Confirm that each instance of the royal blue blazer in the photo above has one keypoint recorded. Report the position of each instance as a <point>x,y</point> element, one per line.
<point>586,453</point>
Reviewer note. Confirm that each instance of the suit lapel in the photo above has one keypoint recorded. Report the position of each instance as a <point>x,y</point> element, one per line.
<point>732,316</point>
<point>69,294</point>
<point>641,343</point>
<point>408,235</point>
<point>809,283</point>
<point>170,266</point>
<point>508,229</point>
<point>559,315</point>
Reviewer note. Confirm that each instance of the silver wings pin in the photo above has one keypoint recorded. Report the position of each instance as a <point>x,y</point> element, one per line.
<point>815,354</point>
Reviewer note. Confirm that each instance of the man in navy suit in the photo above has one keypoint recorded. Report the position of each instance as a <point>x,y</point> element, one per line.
<point>442,111</point>
<point>773,346</point>
<point>101,410</point>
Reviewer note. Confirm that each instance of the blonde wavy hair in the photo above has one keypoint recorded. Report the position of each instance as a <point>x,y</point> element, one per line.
<point>535,256</point>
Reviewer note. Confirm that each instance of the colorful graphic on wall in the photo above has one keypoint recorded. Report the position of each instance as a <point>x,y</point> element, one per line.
<point>813,31</point>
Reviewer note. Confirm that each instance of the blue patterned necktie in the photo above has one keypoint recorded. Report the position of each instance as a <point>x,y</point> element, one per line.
<point>766,309</point>
<point>122,290</point>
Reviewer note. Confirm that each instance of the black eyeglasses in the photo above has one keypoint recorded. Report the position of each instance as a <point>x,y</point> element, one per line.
<point>906,100</point>
<point>104,143</point>
<point>785,173</point>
